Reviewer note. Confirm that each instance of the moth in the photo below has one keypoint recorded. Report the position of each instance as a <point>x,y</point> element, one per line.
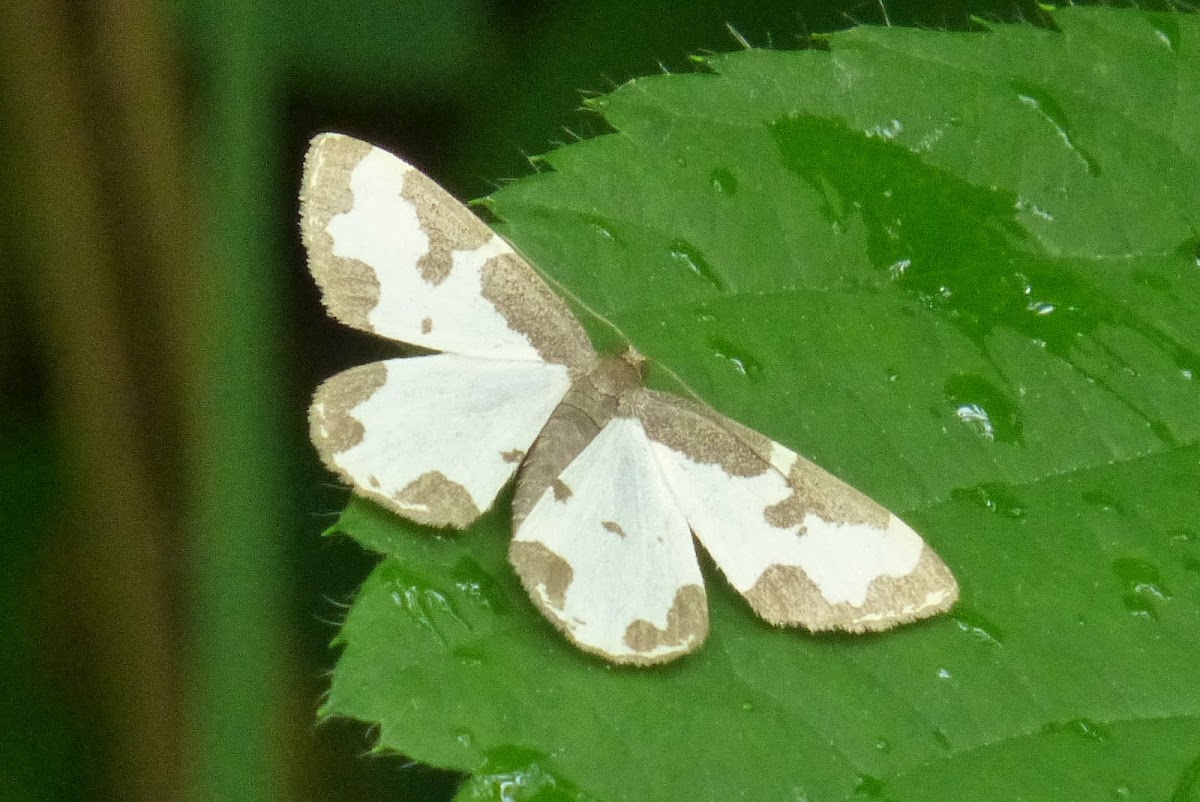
<point>615,481</point>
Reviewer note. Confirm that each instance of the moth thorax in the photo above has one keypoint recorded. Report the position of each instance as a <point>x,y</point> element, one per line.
<point>616,374</point>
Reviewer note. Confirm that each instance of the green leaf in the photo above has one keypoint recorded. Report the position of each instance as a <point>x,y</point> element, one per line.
<point>961,272</point>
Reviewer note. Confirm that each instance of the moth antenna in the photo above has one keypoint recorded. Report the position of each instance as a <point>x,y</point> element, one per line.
<point>561,289</point>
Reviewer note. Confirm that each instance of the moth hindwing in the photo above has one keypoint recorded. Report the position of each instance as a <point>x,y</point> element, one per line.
<point>615,479</point>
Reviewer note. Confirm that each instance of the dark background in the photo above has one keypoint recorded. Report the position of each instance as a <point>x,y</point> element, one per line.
<point>166,600</point>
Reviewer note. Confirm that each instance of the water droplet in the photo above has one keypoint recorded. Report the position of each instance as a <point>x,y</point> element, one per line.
<point>742,362</point>
<point>1025,205</point>
<point>685,254</point>
<point>976,625</point>
<point>1142,586</point>
<point>748,706</point>
<point>1147,278</point>
<point>866,785</point>
<point>1044,104</point>
<point>470,656</point>
<point>1182,534</point>
<point>985,408</point>
<point>465,739</point>
<point>886,131</point>
<point>944,673</point>
<point>478,585</point>
<point>724,181</point>
<point>1122,792</point>
<point>1162,431</point>
<point>897,269</point>
<point>927,142</point>
<point>1079,726</point>
<point>993,497</point>
<point>602,227</point>
<point>1040,308</point>
<point>1091,730</point>
<point>977,416</point>
<point>1165,37</point>
<point>513,773</point>
<point>1141,577</point>
<point>883,746</point>
<point>1102,499</point>
<point>426,606</point>
<point>410,600</point>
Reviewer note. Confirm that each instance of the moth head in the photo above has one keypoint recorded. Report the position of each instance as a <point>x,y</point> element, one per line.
<point>634,359</point>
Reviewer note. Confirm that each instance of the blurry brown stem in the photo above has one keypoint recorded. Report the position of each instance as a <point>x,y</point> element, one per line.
<point>122,527</point>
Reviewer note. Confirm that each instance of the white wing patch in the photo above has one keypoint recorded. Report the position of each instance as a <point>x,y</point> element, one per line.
<point>607,555</point>
<point>396,255</point>
<point>382,229</point>
<point>435,437</point>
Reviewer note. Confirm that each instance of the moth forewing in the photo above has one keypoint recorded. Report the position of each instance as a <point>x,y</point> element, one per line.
<point>803,547</point>
<point>396,255</point>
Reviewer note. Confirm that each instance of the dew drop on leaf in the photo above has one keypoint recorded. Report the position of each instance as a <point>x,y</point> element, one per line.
<point>604,231</point>
<point>470,656</point>
<point>1042,102</point>
<point>978,419</point>
<point>1142,586</point>
<point>985,408</point>
<point>898,268</point>
<point>942,739</point>
<point>743,363</point>
<point>976,625</point>
<point>1041,308</point>
<point>687,255</point>
<point>868,786</point>
<point>1183,534</point>
<point>1086,728</point>
<point>992,496</point>
<point>1103,500</point>
<point>724,181</point>
<point>1166,37</point>
<point>478,585</point>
